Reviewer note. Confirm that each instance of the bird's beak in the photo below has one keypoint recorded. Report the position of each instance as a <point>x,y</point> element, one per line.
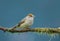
<point>34,16</point>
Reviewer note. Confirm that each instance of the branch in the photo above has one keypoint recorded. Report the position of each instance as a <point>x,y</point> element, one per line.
<point>43,30</point>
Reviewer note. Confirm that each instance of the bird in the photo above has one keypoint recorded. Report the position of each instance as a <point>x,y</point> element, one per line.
<point>26,22</point>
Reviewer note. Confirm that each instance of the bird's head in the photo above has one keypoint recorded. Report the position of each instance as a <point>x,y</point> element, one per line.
<point>31,15</point>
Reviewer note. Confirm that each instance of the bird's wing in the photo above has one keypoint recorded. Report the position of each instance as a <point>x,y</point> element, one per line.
<point>21,22</point>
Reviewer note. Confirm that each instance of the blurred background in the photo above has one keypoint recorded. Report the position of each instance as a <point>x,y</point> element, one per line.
<point>47,14</point>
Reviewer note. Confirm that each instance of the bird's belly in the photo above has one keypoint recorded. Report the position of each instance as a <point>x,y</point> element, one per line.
<point>25,25</point>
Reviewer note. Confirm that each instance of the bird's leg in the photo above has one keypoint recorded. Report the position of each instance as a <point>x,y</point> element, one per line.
<point>27,28</point>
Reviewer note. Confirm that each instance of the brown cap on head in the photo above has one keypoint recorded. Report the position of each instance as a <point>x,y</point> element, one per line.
<point>31,15</point>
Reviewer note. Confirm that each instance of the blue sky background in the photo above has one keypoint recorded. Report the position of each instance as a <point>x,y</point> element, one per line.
<point>47,14</point>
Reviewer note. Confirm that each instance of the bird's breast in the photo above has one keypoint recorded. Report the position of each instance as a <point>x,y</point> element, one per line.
<point>30,22</point>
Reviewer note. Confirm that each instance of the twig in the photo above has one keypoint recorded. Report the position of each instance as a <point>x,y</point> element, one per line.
<point>43,30</point>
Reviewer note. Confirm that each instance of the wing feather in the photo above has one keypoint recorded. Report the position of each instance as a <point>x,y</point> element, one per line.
<point>21,22</point>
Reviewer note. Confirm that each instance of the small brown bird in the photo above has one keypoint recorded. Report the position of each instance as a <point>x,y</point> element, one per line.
<point>26,22</point>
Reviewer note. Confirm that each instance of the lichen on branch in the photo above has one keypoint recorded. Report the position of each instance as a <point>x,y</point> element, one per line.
<point>43,30</point>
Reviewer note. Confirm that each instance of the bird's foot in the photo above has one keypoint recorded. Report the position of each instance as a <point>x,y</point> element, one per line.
<point>27,28</point>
